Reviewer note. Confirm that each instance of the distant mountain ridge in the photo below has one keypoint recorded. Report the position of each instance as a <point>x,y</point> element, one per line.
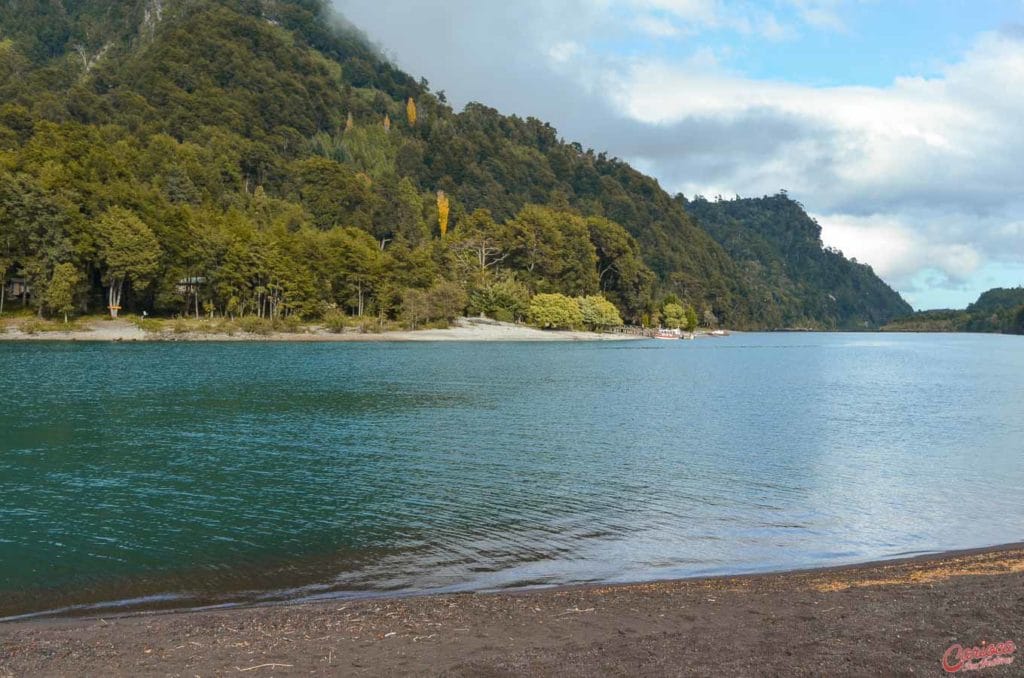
<point>798,281</point>
<point>1000,309</point>
<point>272,112</point>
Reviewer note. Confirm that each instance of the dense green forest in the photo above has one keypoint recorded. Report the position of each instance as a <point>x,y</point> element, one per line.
<point>997,310</point>
<point>258,157</point>
<point>795,280</point>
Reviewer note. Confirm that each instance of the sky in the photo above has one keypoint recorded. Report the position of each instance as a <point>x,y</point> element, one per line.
<point>896,123</point>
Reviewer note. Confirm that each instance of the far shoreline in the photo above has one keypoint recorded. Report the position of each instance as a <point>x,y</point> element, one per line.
<point>893,617</point>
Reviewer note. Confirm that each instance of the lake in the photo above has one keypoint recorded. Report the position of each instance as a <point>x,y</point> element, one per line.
<point>187,474</point>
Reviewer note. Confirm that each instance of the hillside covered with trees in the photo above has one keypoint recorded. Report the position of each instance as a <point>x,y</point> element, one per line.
<point>258,157</point>
<point>794,279</point>
<point>998,310</point>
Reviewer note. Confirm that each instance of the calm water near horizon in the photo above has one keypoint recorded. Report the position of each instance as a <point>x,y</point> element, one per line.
<point>186,474</point>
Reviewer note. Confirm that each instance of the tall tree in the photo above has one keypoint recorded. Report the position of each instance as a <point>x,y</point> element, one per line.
<point>443,209</point>
<point>410,112</point>
<point>129,253</point>
<point>60,294</point>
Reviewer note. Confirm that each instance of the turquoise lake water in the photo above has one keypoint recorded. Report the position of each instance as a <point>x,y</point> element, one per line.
<point>192,474</point>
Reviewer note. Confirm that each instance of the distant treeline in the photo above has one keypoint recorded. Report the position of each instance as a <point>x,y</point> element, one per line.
<point>997,310</point>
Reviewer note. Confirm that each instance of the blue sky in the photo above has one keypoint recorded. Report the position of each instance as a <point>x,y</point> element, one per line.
<point>875,43</point>
<point>895,123</point>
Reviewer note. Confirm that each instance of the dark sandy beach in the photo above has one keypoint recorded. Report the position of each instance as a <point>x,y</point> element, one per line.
<point>890,618</point>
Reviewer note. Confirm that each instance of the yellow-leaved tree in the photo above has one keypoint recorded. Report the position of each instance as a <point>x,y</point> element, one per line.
<point>443,208</point>
<point>349,123</point>
<point>387,122</point>
<point>410,112</point>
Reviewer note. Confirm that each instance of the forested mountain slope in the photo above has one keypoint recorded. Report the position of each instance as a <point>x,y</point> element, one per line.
<point>257,156</point>
<point>1000,309</point>
<point>796,281</point>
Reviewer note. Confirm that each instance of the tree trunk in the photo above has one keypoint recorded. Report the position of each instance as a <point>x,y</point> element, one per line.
<point>65,318</point>
<point>360,288</point>
<point>3,292</point>
<point>114,299</point>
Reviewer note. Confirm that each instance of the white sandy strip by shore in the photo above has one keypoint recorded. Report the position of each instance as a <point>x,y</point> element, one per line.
<point>466,329</point>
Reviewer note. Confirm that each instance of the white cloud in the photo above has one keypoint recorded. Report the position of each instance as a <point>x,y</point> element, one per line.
<point>896,250</point>
<point>563,52</point>
<point>822,14</point>
<point>655,26</point>
<point>937,157</point>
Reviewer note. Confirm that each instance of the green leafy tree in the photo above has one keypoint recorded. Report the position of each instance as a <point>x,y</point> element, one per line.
<point>691,319</point>
<point>129,253</point>
<point>60,294</point>
<point>479,242</point>
<point>505,299</point>
<point>623,275</point>
<point>553,249</point>
<point>447,300</point>
<point>416,308</point>
<point>555,311</point>
<point>598,313</point>
<point>673,316</point>
<point>444,301</point>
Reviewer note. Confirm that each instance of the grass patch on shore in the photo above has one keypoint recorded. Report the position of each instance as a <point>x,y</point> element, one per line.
<point>234,326</point>
<point>32,324</point>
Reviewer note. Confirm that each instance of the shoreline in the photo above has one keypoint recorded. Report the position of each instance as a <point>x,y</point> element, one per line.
<point>465,329</point>
<point>893,617</point>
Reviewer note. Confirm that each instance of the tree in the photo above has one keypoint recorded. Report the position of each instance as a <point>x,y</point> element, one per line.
<point>673,316</point>
<point>129,252</point>
<point>352,264</point>
<point>691,318</point>
<point>5,265</point>
<point>387,122</point>
<point>410,112</point>
<point>60,294</point>
<point>623,275</point>
<point>553,248</point>
<point>598,312</point>
<point>555,311</point>
<point>710,319</point>
<point>447,300</point>
<point>443,209</point>
<point>507,300</point>
<point>415,308</point>
<point>479,242</point>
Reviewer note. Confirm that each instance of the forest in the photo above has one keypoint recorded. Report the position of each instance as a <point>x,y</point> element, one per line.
<point>799,282</point>
<point>258,158</point>
<point>998,310</point>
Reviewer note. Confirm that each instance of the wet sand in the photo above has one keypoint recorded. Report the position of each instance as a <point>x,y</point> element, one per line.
<point>894,618</point>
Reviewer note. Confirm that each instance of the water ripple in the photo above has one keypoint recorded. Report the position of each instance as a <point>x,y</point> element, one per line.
<point>179,475</point>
